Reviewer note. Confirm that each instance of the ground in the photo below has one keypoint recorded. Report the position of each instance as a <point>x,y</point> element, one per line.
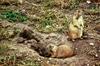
<point>47,23</point>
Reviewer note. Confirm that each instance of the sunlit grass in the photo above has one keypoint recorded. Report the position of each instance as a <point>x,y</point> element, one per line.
<point>52,22</point>
<point>13,16</point>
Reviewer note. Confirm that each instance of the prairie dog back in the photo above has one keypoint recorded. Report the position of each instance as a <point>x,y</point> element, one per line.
<point>61,51</point>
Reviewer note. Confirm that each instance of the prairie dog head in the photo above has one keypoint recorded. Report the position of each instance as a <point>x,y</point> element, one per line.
<point>78,13</point>
<point>52,48</point>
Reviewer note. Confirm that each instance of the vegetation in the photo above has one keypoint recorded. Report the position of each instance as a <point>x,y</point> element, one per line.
<point>13,16</point>
<point>10,57</point>
<point>52,22</point>
<point>6,33</point>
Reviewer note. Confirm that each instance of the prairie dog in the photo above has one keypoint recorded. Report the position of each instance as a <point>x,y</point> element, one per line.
<point>61,51</point>
<point>77,25</point>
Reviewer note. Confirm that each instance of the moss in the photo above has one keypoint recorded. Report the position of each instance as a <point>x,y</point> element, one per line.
<point>13,16</point>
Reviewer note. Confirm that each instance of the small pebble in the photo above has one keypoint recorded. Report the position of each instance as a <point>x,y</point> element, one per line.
<point>88,1</point>
<point>50,58</point>
<point>73,40</point>
<point>20,40</point>
<point>30,41</point>
<point>26,42</point>
<point>99,50</point>
<point>88,64</point>
<point>39,59</point>
<point>47,61</point>
<point>92,44</point>
<point>48,26</point>
<point>96,55</point>
<point>23,10</point>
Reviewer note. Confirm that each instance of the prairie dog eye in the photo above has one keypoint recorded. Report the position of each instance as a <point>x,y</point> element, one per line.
<point>50,46</point>
<point>76,26</point>
<point>80,24</point>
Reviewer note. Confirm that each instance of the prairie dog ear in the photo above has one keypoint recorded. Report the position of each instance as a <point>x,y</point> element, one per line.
<point>78,13</point>
<point>52,47</point>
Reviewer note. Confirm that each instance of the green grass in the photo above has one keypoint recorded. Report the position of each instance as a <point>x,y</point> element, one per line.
<point>48,3</point>
<point>46,22</point>
<point>72,4</point>
<point>52,22</point>
<point>13,16</point>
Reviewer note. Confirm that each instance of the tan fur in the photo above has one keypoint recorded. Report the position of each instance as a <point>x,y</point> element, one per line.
<point>62,51</point>
<point>76,26</point>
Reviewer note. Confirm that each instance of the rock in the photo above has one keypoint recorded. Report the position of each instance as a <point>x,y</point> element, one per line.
<point>92,44</point>
<point>20,40</point>
<point>96,55</point>
<point>32,41</point>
